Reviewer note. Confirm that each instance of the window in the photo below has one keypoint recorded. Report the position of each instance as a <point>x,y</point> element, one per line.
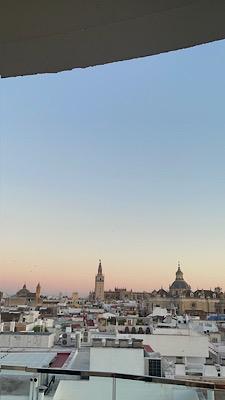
<point>154,367</point>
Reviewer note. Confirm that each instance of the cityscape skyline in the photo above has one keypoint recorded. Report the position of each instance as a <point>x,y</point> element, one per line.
<point>112,193</point>
<point>124,162</point>
<point>68,292</point>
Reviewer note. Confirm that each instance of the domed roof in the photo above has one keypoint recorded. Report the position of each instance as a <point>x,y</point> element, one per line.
<point>179,282</point>
<point>24,292</point>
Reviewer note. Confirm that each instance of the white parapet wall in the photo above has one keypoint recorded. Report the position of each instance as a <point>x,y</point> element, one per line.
<point>26,340</point>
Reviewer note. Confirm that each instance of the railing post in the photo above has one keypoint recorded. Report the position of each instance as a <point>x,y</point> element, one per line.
<point>113,388</point>
<point>210,394</point>
<point>35,391</point>
<point>31,389</point>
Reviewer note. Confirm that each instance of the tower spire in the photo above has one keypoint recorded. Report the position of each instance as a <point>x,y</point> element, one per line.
<point>100,268</point>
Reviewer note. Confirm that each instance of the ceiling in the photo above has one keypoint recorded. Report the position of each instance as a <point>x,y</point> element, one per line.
<point>56,35</point>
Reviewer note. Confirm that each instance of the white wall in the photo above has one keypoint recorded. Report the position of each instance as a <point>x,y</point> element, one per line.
<point>175,345</point>
<point>107,359</point>
<point>26,340</point>
<point>210,371</point>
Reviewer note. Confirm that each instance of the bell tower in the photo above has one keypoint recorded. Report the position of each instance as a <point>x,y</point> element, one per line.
<point>38,294</point>
<point>99,284</point>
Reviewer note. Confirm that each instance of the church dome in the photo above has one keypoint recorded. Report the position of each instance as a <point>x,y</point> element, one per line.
<point>24,292</point>
<point>179,283</point>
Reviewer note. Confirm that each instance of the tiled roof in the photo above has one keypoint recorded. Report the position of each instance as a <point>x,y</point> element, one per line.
<point>60,360</point>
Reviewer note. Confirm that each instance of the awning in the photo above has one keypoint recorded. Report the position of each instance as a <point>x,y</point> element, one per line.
<point>52,36</point>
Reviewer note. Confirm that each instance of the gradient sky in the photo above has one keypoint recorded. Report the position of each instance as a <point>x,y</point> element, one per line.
<point>123,162</point>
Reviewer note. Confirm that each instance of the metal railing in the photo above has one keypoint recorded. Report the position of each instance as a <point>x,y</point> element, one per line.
<point>208,390</point>
<point>143,378</point>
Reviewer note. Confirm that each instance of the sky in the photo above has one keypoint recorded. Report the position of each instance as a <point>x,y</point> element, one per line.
<point>124,162</point>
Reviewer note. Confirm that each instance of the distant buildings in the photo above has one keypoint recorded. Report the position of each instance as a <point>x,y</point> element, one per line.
<point>112,335</point>
<point>75,299</point>
<point>25,297</point>
<point>179,298</point>
<point>182,299</point>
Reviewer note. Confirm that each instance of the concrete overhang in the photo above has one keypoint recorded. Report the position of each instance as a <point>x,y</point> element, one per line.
<point>56,35</point>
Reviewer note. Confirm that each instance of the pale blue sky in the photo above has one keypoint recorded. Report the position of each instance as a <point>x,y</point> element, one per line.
<point>125,162</point>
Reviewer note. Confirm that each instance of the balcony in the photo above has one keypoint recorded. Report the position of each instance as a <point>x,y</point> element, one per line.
<point>60,384</point>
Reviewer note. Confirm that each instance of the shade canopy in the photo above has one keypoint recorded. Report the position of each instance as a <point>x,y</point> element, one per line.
<point>55,35</point>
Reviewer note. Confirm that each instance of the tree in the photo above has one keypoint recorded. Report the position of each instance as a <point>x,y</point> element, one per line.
<point>40,329</point>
